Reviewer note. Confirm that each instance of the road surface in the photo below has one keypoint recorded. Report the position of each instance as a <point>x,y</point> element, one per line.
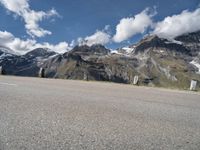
<point>39,114</point>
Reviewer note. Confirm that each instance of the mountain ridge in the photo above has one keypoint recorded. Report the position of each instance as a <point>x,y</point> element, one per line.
<point>157,62</point>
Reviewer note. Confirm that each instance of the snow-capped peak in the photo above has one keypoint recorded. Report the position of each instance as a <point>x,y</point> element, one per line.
<point>8,50</point>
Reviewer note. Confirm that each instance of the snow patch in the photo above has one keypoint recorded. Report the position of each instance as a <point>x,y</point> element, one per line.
<point>115,52</point>
<point>128,49</point>
<point>119,53</point>
<point>174,42</point>
<point>4,55</point>
<point>196,64</point>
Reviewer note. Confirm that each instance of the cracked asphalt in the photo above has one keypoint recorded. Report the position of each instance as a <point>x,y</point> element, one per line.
<point>52,114</point>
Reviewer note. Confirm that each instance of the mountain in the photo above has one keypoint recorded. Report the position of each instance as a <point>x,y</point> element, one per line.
<point>164,63</point>
<point>39,52</point>
<point>157,62</point>
<point>7,56</point>
<point>191,41</point>
<point>25,65</point>
<point>79,62</point>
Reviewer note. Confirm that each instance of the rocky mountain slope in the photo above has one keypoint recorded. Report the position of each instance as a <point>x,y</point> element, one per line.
<point>25,65</point>
<point>157,62</point>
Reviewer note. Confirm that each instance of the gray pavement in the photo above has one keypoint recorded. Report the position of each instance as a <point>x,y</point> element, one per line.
<point>50,114</point>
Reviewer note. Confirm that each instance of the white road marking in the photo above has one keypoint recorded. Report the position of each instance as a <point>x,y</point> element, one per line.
<point>10,84</point>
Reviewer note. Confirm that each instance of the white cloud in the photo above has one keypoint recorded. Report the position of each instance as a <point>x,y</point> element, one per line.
<point>99,37</point>
<point>22,46</point>
<point>31,18</point>
<point>5,37</point>
<point>16,6</point>
<point>131,26</point>
<point>61,47</point>
<point>179,24</point>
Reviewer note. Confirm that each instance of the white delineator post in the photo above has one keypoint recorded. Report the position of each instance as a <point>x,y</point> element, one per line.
<point>1,70</point>
<point>85,76</point>
<point>41,73</point>
<point>193,85</point>
<point>136,79</point>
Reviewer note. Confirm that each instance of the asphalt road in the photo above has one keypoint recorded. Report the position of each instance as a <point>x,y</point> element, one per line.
<point>39,114</point>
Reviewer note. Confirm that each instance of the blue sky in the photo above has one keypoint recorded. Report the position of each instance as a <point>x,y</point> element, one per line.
<point>82,18</point>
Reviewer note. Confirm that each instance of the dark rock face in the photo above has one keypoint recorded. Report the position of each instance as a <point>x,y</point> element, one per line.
<point>191,41</point>
<point>90,50</point>
<point>159,43</point>
<point>189,38</point>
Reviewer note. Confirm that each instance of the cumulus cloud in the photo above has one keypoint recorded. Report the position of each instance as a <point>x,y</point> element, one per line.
<point>61,47</point>
<point>99,37</point>
<point>22,46</point>
<point>31,18</point>
<point>131,26</point>
<point>173,26</point>
<point>5,37</point>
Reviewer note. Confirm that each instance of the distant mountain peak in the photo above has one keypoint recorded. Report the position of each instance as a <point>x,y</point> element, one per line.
<point>155,42</point>
<point>7,50</point>
<point>150,38</point>
<point>40,52</point>
<point>94,49</point>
